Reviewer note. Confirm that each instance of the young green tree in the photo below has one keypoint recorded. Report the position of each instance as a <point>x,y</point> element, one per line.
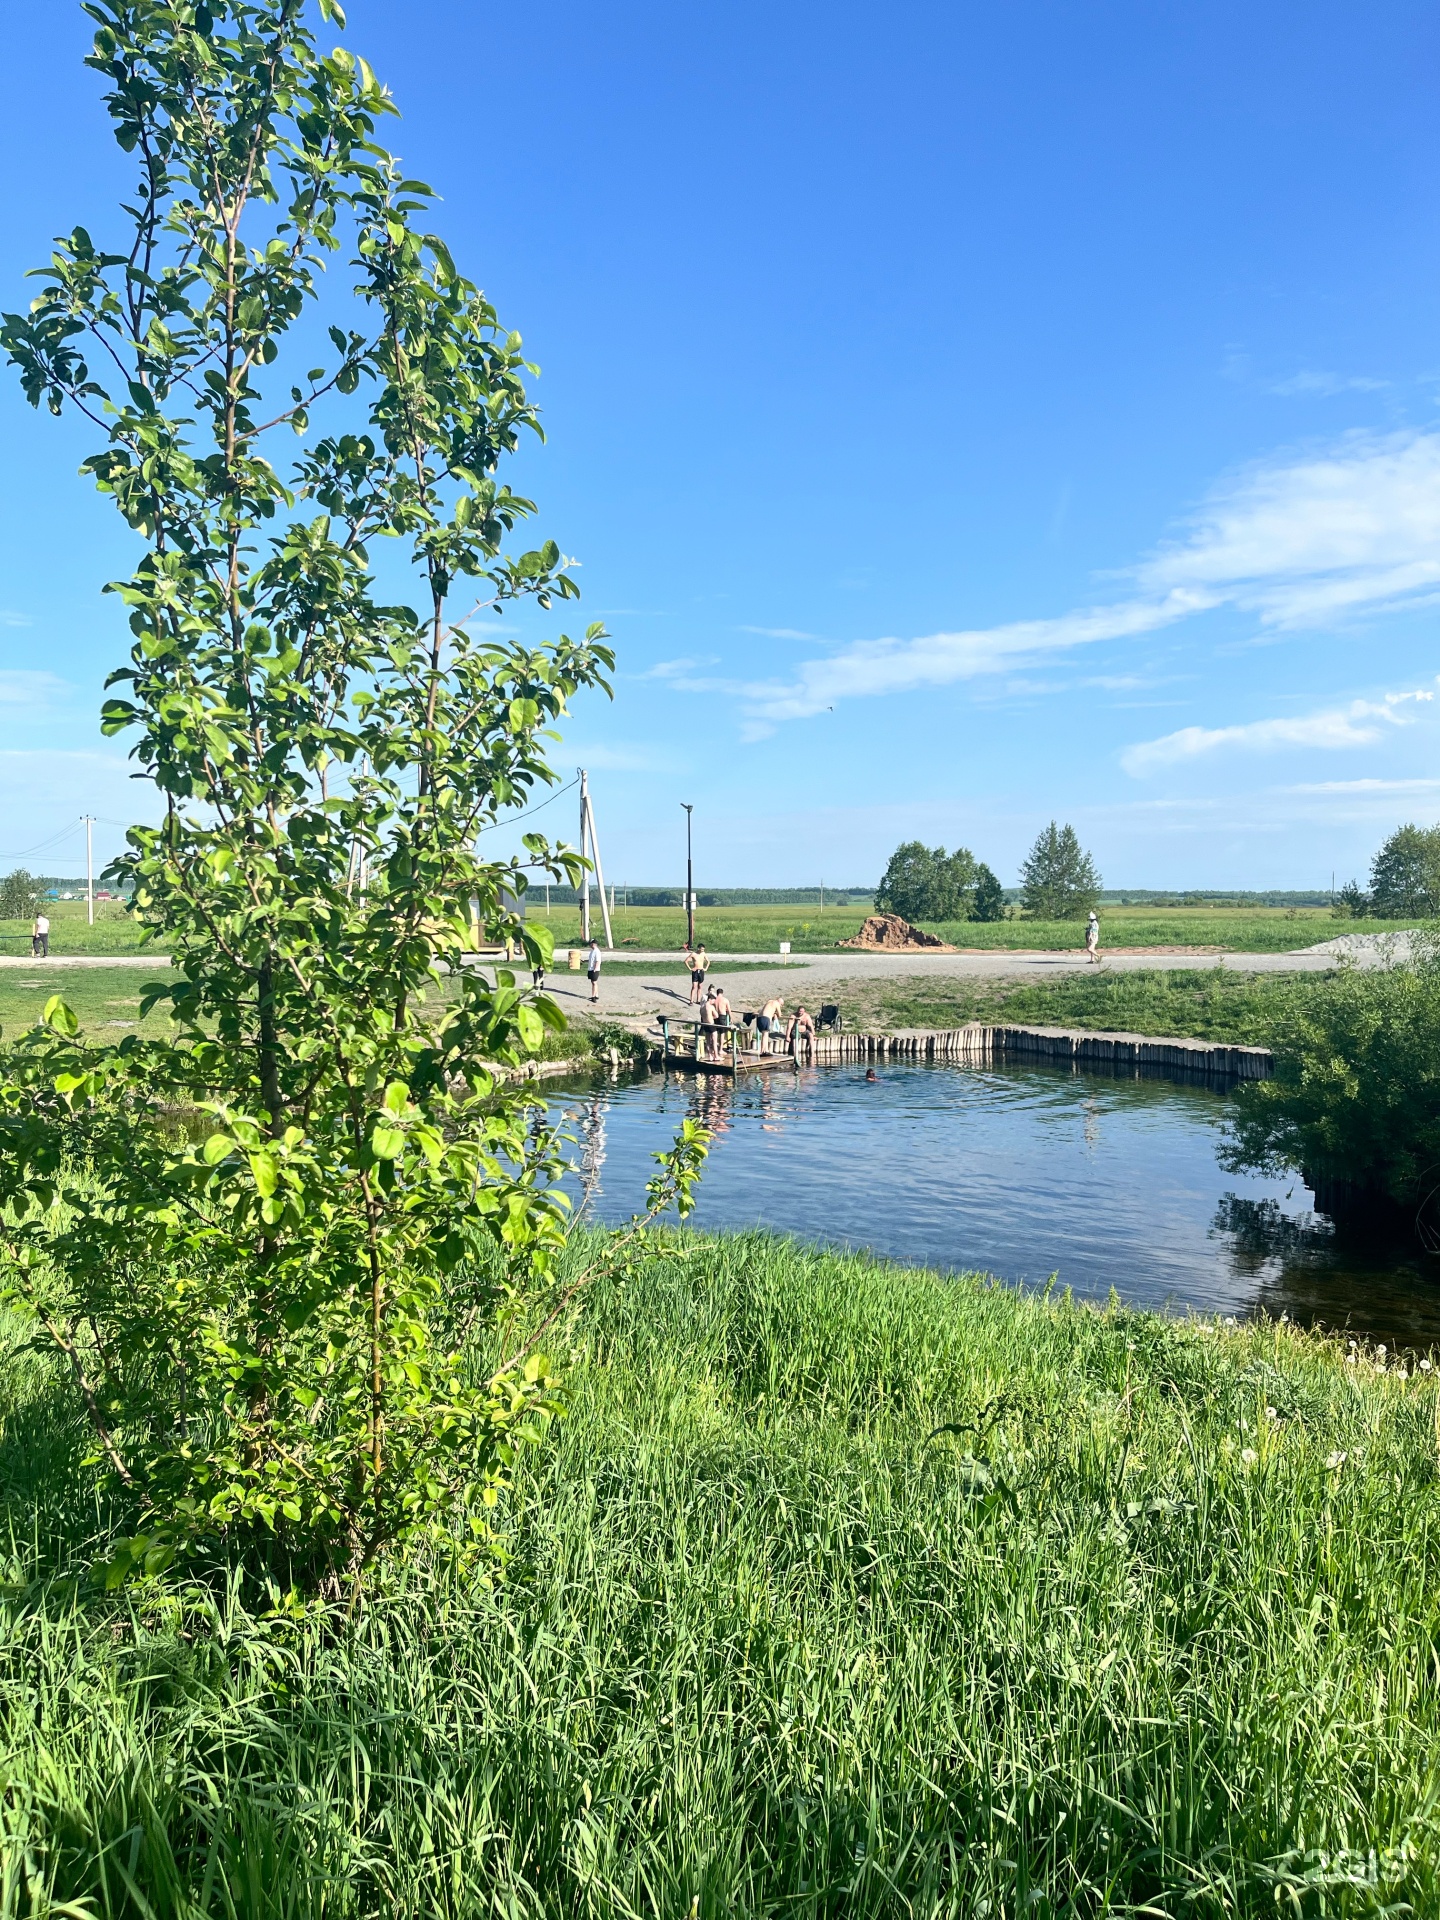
<point>266,1308</point>
<point>926,883</point>
<point>1058,879</point>
<point>1405,877</point>
<point>989,898</point>
<point>19,895</point>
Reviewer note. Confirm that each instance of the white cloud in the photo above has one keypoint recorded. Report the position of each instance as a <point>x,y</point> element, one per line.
<point>1359,724</point>
<point>1357,527</point>
<point>1323,385</point>
<point>778,633</point>
<point>1299,543</point>
<point>22,688</point>
<point>9,618</point>
<point>676,669</point>
<point>1366,786</point>
<point>902,666</point>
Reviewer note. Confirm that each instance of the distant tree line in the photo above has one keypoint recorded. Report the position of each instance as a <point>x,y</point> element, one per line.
<point>1059,881</point>
<point>715,897</point>
<point>1404,879</point>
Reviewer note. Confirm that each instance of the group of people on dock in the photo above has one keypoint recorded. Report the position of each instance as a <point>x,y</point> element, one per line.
<point>773,1033</point>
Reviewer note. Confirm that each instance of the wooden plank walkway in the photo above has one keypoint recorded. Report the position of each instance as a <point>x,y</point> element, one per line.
<point>1124,1053</point>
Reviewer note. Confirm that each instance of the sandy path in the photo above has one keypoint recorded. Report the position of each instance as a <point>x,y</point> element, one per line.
<point>668,991</point>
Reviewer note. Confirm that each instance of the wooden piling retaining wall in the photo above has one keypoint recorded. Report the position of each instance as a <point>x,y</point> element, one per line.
<point>1130,1053</point>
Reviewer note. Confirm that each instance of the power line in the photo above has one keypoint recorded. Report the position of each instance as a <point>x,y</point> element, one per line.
<point>510,820</point>
<point>42,846</point>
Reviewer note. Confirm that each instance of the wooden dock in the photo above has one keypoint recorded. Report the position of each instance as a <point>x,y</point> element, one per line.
<point>737,1049</point>
<point>1136,1055</point>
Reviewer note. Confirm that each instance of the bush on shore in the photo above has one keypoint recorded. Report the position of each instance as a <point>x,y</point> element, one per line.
<point>1356,1092</point>
<point>843,1590</point>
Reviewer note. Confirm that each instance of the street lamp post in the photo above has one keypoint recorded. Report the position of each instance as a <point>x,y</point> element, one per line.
<point>689,879</point>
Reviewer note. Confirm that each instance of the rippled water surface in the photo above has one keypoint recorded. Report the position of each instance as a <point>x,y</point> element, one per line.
<point>1022,1172</point>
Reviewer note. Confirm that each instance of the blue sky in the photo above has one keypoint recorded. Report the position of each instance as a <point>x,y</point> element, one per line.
<point>964,415</point>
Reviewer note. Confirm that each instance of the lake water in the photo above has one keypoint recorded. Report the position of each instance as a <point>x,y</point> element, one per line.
<point>1022,1172</point>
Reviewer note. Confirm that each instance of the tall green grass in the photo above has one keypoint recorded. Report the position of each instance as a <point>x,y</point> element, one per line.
<point>843,1590</point>
<point>1201,1003</point>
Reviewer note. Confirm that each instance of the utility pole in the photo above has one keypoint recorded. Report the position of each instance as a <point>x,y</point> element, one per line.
<point>585,878</point>
<point>689,878</point>
<point>587,832</point>
<point>89,820</point>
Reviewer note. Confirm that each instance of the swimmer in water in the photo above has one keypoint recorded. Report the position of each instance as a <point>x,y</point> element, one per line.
<point>870,1074</point>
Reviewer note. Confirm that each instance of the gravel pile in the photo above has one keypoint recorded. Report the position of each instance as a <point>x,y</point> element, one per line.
<point>1376,949</point>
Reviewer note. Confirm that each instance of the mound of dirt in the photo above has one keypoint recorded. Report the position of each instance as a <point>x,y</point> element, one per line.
<point>888,933</point>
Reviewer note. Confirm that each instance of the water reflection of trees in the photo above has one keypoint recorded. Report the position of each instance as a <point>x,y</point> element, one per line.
<point>1258,1232</point>
<point>1319,1277</point>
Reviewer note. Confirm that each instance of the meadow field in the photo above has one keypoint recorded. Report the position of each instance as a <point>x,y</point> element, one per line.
<point>761,929</point>
<point>809,930</point>
<point>843,1590</point>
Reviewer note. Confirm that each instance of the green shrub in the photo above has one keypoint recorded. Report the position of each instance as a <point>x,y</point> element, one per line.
<point>1355,1100</point>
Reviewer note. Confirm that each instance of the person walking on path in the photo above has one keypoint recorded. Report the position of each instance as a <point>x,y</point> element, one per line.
<point>699,967</point>
<point>40,936</point>
<point>592,968</point>
<point>1092,936</point>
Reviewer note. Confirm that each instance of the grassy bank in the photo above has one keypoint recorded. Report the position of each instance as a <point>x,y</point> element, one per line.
<point>1201,1003</point>
<point>1147,1625</point>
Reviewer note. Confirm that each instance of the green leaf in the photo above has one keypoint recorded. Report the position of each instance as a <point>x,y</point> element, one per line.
<point>397,1097</point>
<point>216,1148</point>
<point>265,1170</point>
<point>59,1017</point>
<point>387,1143</point>
<point>532,1028</point>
